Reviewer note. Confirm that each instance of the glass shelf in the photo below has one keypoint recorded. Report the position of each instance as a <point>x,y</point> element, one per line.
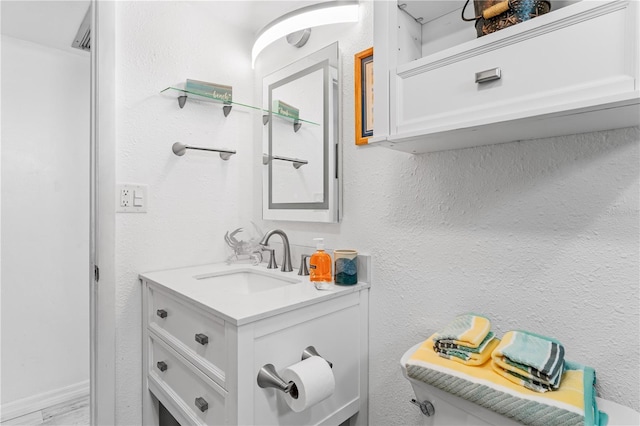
<point>184,94</point>
<point>287,118</point>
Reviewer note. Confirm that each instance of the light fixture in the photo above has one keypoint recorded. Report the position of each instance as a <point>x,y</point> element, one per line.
<point>299,38</point>
<point>330,12</point>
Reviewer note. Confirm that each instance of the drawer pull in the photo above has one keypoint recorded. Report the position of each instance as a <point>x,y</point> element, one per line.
<point>161,313</point>
<point>162,366</point>
<point>202,338</point>
<point>488,75</point>
<point>202,404</point>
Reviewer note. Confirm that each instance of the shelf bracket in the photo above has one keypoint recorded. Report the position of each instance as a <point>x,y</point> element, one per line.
<point>296,124</point>
<point>226,108</point>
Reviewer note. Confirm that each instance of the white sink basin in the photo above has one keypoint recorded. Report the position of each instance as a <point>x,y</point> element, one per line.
<point>245,281</point>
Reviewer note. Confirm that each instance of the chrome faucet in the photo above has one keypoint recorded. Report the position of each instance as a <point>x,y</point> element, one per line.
<point>286,257</point>
<point>272,258</point>
<point>303,270</point>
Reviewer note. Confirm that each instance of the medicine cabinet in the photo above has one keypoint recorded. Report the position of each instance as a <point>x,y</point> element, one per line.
<point>300,172</point>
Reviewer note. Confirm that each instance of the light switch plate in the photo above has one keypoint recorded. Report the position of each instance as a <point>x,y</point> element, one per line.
<point>131,198</point>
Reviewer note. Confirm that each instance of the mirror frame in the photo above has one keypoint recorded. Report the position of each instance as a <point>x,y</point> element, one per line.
<point>328,210</point>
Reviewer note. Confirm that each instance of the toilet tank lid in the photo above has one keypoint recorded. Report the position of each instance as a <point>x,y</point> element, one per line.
<point>619,415</point>
<point>406,356</point>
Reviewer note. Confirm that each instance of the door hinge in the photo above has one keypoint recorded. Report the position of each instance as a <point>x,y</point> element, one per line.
<point>96,273</point>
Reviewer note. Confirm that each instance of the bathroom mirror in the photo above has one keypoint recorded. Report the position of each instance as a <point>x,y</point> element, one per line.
<point>300,140</point>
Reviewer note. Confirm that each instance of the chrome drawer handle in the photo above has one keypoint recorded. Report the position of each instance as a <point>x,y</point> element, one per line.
<point>488,75</point>
<point>161,313</point>
<point>202,404</point>
<point>162,366</point>
<point>202,338</point>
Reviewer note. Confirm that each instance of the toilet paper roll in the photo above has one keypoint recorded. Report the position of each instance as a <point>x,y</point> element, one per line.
<point>314,381</point>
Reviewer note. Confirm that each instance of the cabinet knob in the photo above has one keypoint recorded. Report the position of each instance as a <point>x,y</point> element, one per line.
<point>202,338</point>
<point>202,404</point>
<point>161,313</point>
<point>162,366</point>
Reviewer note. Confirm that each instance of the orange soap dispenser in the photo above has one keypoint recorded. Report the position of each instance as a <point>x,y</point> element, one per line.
<point>320,263</point>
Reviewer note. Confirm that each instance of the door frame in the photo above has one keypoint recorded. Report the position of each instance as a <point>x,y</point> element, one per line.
<point>102,214</point>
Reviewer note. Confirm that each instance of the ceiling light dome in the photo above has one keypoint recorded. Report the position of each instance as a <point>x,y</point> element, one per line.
<point>330,12</point>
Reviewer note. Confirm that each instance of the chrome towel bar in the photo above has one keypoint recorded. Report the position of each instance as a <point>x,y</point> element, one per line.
<point>297,163</point>
<point>179,149</point>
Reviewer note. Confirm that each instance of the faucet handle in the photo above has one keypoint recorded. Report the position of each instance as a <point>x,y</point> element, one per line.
<point>272,258</point>
<point>304,269</point>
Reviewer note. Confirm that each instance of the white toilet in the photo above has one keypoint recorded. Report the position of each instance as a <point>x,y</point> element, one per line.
<point>451,410</point>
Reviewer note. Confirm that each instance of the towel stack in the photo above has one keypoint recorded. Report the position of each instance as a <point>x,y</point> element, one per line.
<point>531,360</point>
<point>468,339</point>
<point>574,403</point>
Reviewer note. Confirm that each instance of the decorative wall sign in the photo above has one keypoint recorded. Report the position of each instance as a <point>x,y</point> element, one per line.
<point>283,109</point>
<point>215,91</point>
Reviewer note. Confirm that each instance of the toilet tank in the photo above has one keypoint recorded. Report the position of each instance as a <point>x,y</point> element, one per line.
<point>451,410</point>
<point>454,411</point>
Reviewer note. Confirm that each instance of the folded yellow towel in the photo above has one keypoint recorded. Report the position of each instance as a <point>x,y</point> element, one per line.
<point>468,356</point>
<point>465,330</point>
<point>467,339</point>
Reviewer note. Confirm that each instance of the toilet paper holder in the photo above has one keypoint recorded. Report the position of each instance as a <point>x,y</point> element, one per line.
<point>310,351</point>
<point>268,377</point>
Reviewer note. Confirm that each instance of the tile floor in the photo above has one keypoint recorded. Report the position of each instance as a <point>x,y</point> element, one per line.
<point>71,413</point>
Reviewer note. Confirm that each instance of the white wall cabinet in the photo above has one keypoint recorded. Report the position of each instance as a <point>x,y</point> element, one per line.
<point>573,70</point>
<point>202,364</point>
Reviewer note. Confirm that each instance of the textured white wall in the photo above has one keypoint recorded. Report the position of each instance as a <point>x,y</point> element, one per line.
<point>45,218</point>
<point>193,200</point>
<point>539,235</point>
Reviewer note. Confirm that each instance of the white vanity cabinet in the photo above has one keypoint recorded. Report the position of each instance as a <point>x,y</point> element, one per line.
<point>573,70</point>
<point>202,352</point>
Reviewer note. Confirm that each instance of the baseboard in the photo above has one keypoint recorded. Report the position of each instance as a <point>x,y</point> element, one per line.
<point>44,400</point>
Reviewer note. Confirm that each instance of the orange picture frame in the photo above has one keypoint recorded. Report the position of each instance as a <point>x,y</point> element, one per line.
<point>363,83</point>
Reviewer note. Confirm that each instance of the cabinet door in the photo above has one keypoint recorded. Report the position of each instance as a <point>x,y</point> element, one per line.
<point>336,337</point>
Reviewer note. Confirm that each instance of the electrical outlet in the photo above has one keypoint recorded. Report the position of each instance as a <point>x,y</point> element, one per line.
<point>131,198</point>
<point>125,197</point>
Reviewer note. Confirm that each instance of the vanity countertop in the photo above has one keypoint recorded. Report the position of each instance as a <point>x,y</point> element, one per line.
<point>191,284</point>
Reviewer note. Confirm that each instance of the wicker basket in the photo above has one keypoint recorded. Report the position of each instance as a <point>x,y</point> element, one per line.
<point>494,15</point>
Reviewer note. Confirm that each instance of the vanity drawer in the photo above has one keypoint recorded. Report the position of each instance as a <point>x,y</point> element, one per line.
<point>546,69</point>
<point>199,399</point>
<point>193,334</point>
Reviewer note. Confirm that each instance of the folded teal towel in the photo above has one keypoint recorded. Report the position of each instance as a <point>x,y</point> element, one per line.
<point>535,361</point>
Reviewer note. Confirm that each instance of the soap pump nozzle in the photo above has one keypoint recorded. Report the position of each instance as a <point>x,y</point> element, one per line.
<point>319,243</point>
